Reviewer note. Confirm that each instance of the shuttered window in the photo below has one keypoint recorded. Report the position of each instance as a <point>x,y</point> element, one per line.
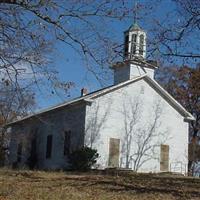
<point>67,142</point>
<point>49,146</point>
<point>19,152</point>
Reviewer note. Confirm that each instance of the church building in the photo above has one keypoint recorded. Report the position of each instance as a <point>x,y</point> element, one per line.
<point>134,123</point>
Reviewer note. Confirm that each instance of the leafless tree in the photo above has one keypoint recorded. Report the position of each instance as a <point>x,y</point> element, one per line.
<point>28,29</point>
<point>175,34</point>
<point>12,104</point>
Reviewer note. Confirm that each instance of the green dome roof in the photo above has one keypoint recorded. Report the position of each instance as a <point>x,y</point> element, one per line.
<point>134,27</point>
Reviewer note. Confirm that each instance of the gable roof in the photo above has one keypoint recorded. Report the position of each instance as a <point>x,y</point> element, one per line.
<point>88,98</point>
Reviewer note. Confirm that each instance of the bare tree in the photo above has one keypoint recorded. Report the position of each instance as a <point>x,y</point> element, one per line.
<point>13,104</point>
<point>175,34</point>
<point>28,29</point>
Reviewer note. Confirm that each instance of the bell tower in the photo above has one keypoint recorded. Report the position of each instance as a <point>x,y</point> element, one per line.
<point>134,42</point>
<point>134,62</point>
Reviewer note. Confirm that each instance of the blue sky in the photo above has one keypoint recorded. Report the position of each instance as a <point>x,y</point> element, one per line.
<point>70,67</point>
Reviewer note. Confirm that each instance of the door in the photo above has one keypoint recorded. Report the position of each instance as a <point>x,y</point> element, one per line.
<point>114,145</point>
<point>164,157</point>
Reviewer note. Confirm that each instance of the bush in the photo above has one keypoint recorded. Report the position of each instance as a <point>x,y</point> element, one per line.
<point>83,159</point>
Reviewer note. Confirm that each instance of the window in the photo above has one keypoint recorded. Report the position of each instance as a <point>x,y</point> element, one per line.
<point>126,45</point>
<point>133,43</point>
<point>33,148</point>
<point>141,48</point>
<point>19,152</point>
<point>67,142</point>
<point>49,146</point>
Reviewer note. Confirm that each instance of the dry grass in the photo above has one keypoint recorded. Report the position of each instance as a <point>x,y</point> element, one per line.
<point>21,185</point>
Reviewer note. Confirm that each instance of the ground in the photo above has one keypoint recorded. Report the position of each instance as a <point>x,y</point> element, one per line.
<point>37,185</point>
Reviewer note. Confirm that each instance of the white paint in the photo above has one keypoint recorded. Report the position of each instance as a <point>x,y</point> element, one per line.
<point>171,122</point>
<point>137,32</point>
<point>130,71</point>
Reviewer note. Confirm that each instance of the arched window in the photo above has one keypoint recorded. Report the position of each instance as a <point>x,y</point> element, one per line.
<point>141,47</point>
<point>133,44</point>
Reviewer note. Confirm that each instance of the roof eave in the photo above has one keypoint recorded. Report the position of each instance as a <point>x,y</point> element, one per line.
<point>189,119</point>
<point>45,111</point>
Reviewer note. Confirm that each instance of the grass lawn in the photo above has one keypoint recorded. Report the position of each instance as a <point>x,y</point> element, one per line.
<point>21,185</point>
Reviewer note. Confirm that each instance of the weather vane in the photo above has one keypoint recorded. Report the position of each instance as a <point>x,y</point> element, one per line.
<point>135,11</point>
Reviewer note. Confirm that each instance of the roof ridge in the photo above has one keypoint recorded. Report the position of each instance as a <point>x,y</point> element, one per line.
<point>77,99</point>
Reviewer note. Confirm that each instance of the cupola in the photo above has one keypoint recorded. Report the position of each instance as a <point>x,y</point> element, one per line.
<point>134,43</point>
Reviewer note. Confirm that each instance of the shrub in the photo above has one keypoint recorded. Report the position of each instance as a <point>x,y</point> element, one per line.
<point>83,159</point>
